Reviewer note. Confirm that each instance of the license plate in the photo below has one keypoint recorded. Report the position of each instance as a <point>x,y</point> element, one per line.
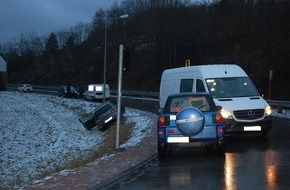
<point>252,128</point>
<point>178,139</point>
<point>110,118</point>
<point>172,117</point>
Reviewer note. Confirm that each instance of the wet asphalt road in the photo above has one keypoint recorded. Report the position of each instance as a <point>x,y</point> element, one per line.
<point>249,163</point>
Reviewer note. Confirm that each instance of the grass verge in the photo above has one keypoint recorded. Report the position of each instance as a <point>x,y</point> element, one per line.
<point>108,146</point>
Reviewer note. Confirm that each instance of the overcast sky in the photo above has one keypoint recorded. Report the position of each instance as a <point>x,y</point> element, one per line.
<point>45,16</point>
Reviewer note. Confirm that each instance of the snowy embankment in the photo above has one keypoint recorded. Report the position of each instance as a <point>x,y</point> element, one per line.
<point>40,133</point>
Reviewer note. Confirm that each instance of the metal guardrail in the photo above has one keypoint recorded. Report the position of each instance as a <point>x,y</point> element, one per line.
<point>140,94</point>
<point>279,104</point>
<point>37,89</point>
<point>54,91</point>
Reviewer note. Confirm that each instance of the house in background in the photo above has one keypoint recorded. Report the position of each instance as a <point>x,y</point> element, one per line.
<point>3,73</point>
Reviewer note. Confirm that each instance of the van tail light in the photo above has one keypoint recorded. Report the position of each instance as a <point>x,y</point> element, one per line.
<point>163,120</point>
<point>217,118</point>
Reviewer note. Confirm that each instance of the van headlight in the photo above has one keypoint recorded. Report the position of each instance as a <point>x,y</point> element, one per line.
<point>226,114</point>
<point>268,111</point>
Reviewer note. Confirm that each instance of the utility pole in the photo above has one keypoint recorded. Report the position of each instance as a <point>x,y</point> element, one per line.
<point>119,94</point>
<point>270,79</point>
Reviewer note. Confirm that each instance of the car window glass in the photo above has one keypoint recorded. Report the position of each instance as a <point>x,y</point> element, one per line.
<point>103,109</point>
<point>179,103</point>
<point>231,87</point>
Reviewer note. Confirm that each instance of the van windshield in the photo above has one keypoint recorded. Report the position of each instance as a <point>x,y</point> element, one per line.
<point>231,87</point>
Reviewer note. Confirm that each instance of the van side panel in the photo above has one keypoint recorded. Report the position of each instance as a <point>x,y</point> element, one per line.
<point>169,86</point>
<point>170,82</point>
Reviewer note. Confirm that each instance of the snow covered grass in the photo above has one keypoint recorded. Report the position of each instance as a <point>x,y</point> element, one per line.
<point>284,113</point>
<point>41,134</point>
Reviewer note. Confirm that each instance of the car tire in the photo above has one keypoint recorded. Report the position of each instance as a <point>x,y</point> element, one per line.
<point>163,150</point>
<point>220,147</point>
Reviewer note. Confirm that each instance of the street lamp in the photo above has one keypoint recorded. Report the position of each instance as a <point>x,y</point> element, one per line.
<point>270,79</point>
<point>105,54</point>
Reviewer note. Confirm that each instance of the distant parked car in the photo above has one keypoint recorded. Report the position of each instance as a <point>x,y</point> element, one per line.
<point>25,88</point>
<point>95,92</point>
<point>102,116</point>
<point>63,92</point>
<point>81,92</point>
<point>190,118</point>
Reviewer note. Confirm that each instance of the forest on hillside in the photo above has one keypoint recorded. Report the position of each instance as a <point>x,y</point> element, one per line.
<point>160,34</point>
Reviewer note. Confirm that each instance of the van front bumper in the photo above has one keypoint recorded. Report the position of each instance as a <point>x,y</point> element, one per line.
<point>232,126</point>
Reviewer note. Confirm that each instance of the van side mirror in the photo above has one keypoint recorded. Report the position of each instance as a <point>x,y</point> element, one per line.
<point>219,108</point>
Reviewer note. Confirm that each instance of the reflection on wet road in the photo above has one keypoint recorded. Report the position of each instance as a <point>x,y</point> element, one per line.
<point>249,163</point>
<point>254,167</point>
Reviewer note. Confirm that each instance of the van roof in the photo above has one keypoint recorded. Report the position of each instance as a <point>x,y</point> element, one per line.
<point>211,71</point>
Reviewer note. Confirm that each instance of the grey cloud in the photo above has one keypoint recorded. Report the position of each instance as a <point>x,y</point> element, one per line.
<point>45,16</point>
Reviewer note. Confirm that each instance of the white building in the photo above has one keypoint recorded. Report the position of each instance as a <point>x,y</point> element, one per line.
<point>3,73</point>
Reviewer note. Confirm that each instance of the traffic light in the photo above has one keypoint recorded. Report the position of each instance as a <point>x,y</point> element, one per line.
<point>187,63</point>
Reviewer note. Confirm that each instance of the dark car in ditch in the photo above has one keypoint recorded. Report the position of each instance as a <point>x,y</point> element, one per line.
<point>102,116</point>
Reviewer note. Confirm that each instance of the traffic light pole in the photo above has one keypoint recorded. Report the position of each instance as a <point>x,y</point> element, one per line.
<point>119,94</point>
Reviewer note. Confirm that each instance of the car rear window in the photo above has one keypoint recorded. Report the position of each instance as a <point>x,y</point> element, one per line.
<point>102,110</point>
<point>178,103</point>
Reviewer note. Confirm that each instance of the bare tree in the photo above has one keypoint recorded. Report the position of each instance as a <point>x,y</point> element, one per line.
<point>62,36</point>
<point>99,20</point>
<point>81,31</point>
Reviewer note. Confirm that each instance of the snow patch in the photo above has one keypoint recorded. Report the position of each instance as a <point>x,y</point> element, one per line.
<point>42,133</point>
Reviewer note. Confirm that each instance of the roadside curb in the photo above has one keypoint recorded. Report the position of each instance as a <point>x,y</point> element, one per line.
<point>127,172</point>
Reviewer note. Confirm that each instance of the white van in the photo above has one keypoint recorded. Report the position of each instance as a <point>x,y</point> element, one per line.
<point>244,110</point>
<point>95,92</point>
